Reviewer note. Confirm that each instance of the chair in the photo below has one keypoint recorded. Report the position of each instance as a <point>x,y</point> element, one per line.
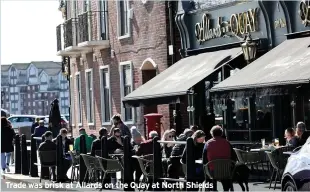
<point>145,163</point>
<point>280,158</point>
<point>47,159</point>
<point>75,165</point>
<point>276,170</point>
<point>223,169</point>
<point>297,149</point>
<point>92,167</point>
<point>109,166</point>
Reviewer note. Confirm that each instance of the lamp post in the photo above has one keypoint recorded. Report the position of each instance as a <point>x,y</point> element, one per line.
<point>249,49</point>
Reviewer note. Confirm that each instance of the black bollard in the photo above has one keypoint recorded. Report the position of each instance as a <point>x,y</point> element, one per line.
<point>59,158</point>
<point>127,174</point>
<point>18,161</point>
<point>44,170</point>
<point>82,164</point>
<point>105,154</point>
<point>33,157</point>
<point>157,167</point>
<point>24,156</point>
<point>190,161</point>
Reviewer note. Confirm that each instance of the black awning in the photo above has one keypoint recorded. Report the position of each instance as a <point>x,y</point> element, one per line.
<point>286,64</point>
<point>179,78</point>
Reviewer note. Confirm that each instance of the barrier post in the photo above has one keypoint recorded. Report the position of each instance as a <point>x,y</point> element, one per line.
<point>24,156</point>
<point>59,158</point>
<point>127,174</point>
<point>105,154</point>
<point>157,165</point>
<point>190,161</point>
<point>17,152</point>
<point>82,164</point>
<point>33,157</point>
<point>44,170</point>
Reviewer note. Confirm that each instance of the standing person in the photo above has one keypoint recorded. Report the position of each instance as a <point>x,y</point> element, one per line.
<point>88,140</point>
<point>66,142</point>
<point>96,145</point>
<point>301,133</point>
<point>40,131</point>
<point>7,136</point>
<point>118,123</point>
<point>290,137</point>
<point>136,141</point>
<point>34,125</point>
<point>218,148</point>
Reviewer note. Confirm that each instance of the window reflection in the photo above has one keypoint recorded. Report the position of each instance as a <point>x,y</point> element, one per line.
<point>263,113</point>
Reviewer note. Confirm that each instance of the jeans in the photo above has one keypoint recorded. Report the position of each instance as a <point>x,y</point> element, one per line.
<point>5,159</point>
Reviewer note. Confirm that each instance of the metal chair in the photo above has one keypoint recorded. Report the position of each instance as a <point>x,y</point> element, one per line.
<point>297,149</point>
<point>75,165</point>
<point>108,166</point>
<point>47,159</point>
<point>92,167</point>
<point>276,170</point>
<point>146,166</point>
<point>223,169</point>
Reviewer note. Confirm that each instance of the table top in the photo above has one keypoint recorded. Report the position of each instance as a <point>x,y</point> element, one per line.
<point>261,149</point>
<point>288,152</point>
<point>199,161</point>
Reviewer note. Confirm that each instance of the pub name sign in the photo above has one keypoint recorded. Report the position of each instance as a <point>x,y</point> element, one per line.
<point>304,11</point>
<point>238,24</point>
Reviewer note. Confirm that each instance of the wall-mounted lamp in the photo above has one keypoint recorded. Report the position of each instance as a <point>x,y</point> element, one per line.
<point>249,49</point>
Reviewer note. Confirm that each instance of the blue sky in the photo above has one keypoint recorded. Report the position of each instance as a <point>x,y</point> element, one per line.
<point>28,30</point>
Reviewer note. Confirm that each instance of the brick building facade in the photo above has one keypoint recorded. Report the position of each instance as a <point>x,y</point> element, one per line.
<point>114,47</point>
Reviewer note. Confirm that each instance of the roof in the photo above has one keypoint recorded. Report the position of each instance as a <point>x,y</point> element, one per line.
<point>52,72</point>
<point>5,68</point>
<point>288,63</point>
<point>20,66</point>
<point>47,64</point>
<point>181,76</point>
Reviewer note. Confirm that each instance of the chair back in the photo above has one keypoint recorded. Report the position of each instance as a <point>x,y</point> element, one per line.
<point>272,160</point>
<point>74,157</point>
<point>146,164</point>
<point>109,165</point>
<point>280,158</point>
<point>247,157</point>
<point>240,155</point>
<point>91,162</point>
<point>47,158</point>
<point>223,169</point>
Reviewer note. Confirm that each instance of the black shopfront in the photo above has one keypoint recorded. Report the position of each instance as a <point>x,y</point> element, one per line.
<point>213,47</point>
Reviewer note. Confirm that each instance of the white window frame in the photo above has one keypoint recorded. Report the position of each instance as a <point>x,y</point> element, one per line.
<point>72,106</point>
<point>79,99</point>
<point>121,65</point>
<point>128,35</point>
<point>90,122</point>
<point>105,121</point>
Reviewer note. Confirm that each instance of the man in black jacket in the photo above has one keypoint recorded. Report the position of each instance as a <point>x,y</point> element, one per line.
<point>97,143</point>
<point>302,134</point>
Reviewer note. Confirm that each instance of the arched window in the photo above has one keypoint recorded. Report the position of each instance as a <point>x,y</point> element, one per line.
<point>43,79</point>
<point>32,71</point>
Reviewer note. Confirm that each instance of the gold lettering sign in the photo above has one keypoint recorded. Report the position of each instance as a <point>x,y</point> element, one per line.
<point>304,11</point>
<point>279,23</point>
<point>239,24</point>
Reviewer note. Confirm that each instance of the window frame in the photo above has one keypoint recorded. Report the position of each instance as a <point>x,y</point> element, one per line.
<point>121,66</point>
<point>79,95</point>
<point>128,35</point>
<point>72,106</point>
<point>88,112</point>
<point>101,70</point>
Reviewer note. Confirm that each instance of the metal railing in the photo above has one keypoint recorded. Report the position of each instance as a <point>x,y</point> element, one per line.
<point>70,31</point>
<point>85,26</point>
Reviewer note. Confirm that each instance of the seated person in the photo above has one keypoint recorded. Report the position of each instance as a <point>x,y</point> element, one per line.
<point>146,147</point>
<point>218,148</point>
<point>49,145</point>
<point>291,140</point>
<point>103,132</point>
<point>116,142</point>
<point>88,139</point>
<point>301,133</point>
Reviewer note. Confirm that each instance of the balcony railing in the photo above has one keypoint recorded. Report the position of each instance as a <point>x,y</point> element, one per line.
<point>70,31</point>
<point>86,31</point>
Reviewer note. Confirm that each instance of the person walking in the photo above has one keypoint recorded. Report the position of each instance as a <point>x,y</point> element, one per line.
<point>40,131</point>
<point>118,123</point>
<point>7,136</point>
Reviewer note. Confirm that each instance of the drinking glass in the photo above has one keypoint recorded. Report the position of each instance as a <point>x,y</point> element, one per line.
<point>276,142</point>
<point>263,142</point>
<point>70,147</point>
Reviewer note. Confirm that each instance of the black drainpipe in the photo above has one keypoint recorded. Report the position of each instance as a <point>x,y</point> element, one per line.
<point>170,6</point>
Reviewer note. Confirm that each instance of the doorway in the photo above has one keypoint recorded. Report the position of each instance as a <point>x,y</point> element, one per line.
<point>149,71</point>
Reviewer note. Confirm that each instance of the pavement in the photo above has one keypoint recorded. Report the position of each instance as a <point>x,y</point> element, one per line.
<point>18,182</point>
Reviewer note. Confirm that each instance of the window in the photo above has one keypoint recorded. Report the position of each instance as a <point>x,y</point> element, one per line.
<point>29,104</point>
<point>79,103</point>
<point>28,88</point>
<point>126,81</point>
<point>104,19</point>
<point>28,96</point>
<point>32,71</point>
<point>85,5</point>
<point>34,104</point>
<point>105,94</point>
<point>123,19</point>
<point>33,95</point>
<point>89,95</point>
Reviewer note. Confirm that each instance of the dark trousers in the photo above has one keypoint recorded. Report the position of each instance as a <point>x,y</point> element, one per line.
<point>136,170</point>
